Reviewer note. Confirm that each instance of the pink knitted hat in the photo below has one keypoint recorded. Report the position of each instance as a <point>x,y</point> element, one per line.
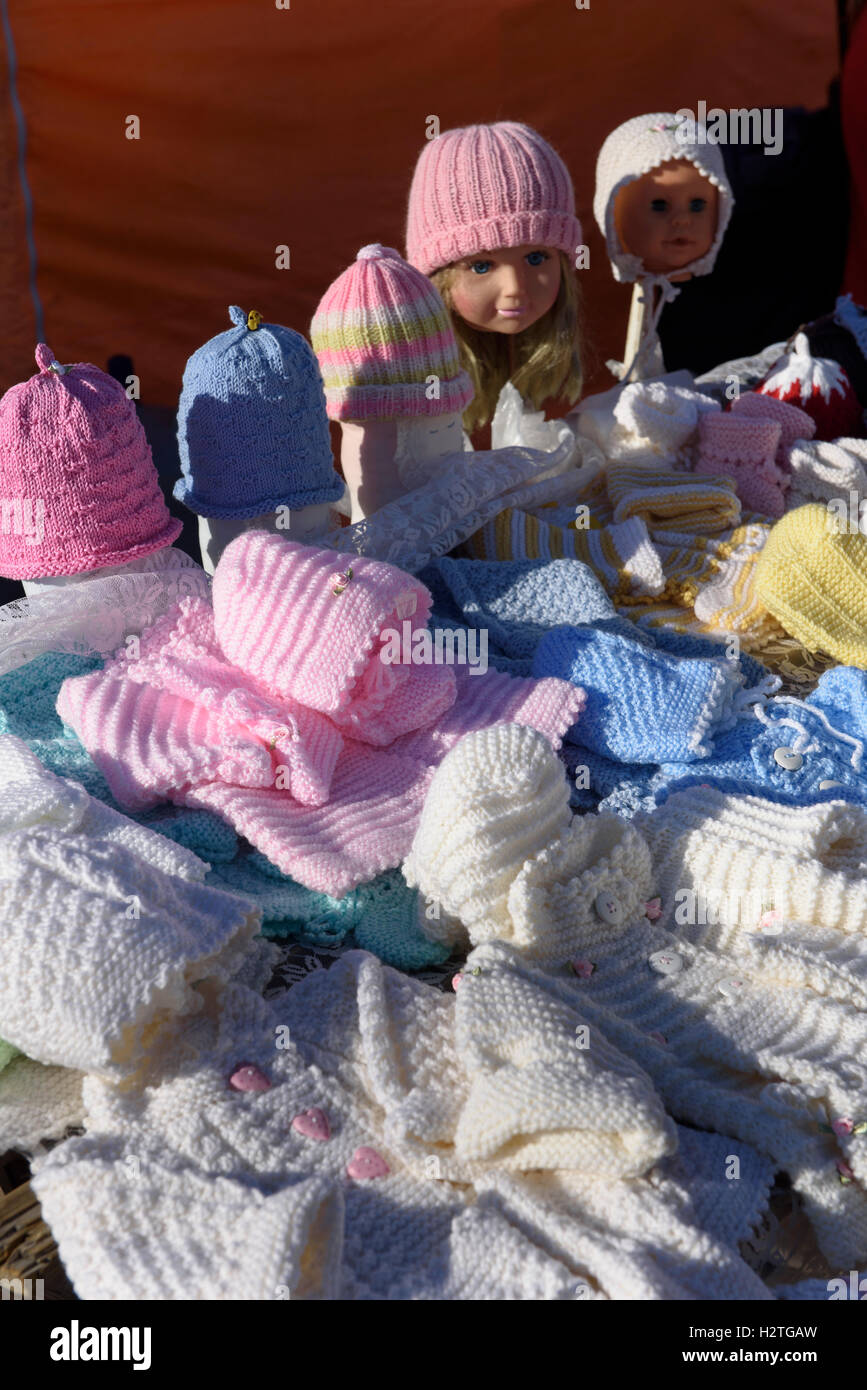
<point>78,486</point>
<point>306,631</point>
<point>486,186</point>
<point>381,333</point>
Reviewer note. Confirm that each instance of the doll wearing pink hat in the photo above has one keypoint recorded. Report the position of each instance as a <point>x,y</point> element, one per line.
<point>492,221</point>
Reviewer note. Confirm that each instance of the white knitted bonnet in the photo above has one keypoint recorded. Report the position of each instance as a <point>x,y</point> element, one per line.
<point>634,149</point>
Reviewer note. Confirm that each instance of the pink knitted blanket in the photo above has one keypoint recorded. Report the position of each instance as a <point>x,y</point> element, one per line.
<point>176,720</point>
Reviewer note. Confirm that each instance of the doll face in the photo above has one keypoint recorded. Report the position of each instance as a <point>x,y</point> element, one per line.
<point>668,218</point>
<point>506,291</point>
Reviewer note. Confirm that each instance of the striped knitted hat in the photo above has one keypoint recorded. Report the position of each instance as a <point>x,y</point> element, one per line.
<point>482,187</point>
<point>812,576</point>
<point>385,343</point>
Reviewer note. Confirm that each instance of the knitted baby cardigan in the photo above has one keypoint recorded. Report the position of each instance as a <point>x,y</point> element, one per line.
<point>756,1052</point>
<point>314,1188</point>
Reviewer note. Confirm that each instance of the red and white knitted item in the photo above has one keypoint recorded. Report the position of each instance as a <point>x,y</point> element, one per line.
<point>817,385</point>
<point>745,449</point>
<point>794,423</point>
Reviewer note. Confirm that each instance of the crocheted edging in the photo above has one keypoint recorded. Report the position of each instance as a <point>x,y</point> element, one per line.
<point>716,710</point>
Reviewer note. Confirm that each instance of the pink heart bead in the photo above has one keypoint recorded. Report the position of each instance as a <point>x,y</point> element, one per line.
<point>842,1126</point>
<point>456,980</point>
<point>582,968</point>
<point>313,1124</point>
<point>653,909</point>
<point>249,1078</point>
<point>367,1163</point>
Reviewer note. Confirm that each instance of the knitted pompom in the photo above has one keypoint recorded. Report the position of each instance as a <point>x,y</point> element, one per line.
<point>497,799</point>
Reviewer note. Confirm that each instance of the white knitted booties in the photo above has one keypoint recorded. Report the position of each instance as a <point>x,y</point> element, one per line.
<point>496,800</point>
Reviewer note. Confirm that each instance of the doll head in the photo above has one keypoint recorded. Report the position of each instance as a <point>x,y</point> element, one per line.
<point>662,202</point>
<point>668,218</point>
<point>492,222</point>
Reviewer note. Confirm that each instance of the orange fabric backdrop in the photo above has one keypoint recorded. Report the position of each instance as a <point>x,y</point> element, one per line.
<point>263,126</point>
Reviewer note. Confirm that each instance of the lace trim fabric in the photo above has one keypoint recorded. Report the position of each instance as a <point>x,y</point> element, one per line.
<point>94,617</point>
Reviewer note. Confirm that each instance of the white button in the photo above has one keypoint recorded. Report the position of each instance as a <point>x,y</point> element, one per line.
<point>788,759</point>
<point>731,987</point>
<point>609,909</point>
<point>828,782</point>
<point>666,962</point>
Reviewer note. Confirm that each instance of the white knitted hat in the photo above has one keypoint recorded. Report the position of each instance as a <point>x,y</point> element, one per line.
<point>497,798</point>
<point>634,149</point>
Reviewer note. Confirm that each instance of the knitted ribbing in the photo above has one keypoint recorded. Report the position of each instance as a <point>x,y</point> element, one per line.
<point>812,575</point>
<point>728,866</point>
<point>277,618</point>
<point>643,705</point>
<point>383,338</point>
<point>483,187</point>
<point>252,429</point>
<point>634,149</point>
<point>77,473</point>
<point>745,446</point>
<point>467,850</point>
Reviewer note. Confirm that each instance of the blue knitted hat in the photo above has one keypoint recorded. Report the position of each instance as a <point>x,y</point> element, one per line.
<point>252,429</point>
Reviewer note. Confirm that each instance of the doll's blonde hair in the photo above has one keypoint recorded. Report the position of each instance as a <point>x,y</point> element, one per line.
<point>547,355</point>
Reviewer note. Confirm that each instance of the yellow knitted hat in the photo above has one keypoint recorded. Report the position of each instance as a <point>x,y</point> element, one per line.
<point>812,576</point>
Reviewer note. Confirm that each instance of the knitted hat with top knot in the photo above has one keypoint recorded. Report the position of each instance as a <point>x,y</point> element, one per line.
<point>78,486</point>
<point>812,576</point>
<point>252,429</point>
<point>482,187</point>
<point>385,343</point>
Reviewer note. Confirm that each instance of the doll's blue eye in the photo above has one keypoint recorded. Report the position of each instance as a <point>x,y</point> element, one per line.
<point>480,267</point>
<point>697,204</point>
<point>659,205</point>
<point>536,257</point>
